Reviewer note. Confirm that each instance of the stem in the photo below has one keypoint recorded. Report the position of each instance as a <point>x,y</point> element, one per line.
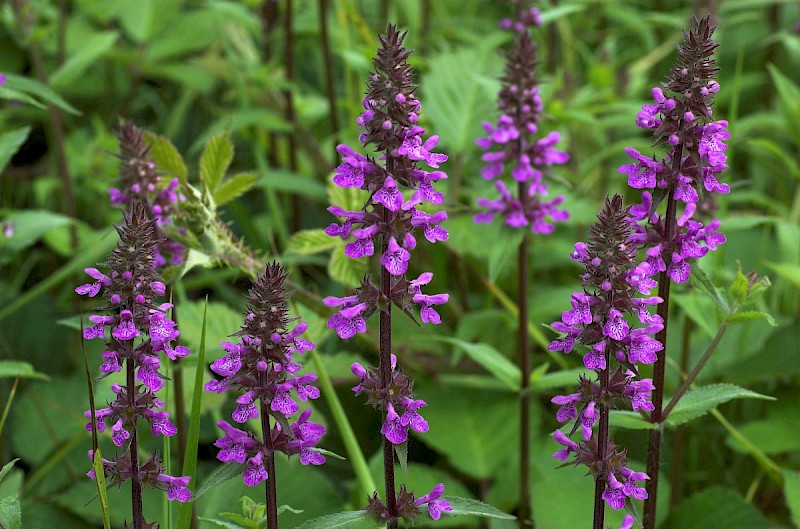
<point>525,510</point>
<point>602,445</point>
<point>659,369</point>
<point>386,377</point>
<point>271,483</point>
<point>136,479</point>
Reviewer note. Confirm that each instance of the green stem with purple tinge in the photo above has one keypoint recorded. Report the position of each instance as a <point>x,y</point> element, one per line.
<point>525,513</point>
<point>137,507</point>
<point>271,486</point>
<point>602,444</point>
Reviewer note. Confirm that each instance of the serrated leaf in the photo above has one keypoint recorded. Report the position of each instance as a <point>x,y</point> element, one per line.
<point>166,157</point>
<point>470,507</point>
<point>7,468</point>
<point>222,523</point>
<point>402,455</point>
<point>86,55</point>
<point>714,508</point>
<point>344,270</point>
<point>347,198</point>
<point>217,156</point>
<point>10,513</point>
<point>309,242</point>
<point>344,520</point>
<point>36,89</point>
<point>631,420</point>
<point>739,288</point>
<point>9,144</point>
<point>221,475</point>
<point>699,401</point>
<point>234,187</point>
<point>489,358</point>
<point>749,315</point>
<point>703,283</point>
<point>19,369</point>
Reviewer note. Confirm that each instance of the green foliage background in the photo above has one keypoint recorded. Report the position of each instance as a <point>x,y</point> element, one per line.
<point>187,70</point>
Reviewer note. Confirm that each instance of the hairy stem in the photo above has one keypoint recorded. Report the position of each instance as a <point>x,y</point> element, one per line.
<point>602,445</point>
<point>136,480</point>
<point>525,515</point>
<point>271,484</point>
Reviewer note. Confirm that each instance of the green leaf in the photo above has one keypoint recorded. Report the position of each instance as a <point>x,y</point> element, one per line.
<point>789,94</point>
<point>700,309</point>
<point>791,491</point>
<point>215,160</point>
<point>237,120</point>
<point>189,467</point>
<point>38,90</point>
<point>10,94</point>
<point>739,288</point>
<point>344,520</point>
<point>9,144</point>
<point>489,358</point>
<point>348,198</point>
<point>234,187</point>
<point>504,252</point>
<point>18,368</point>
<point>470,507</point>
<point>100,482</point>
<point>632,420</point>
<point>222,523</point>
<point>86,55</point>
<point>714,508</point>
<point>309,242</point>
<point>10,513</point>
<point>219,476</point>
<point>348,272</point>
<point>788,271</point>
<point>402,455</point>
<point>699,401</point>
<point>7,468</point>
<point>557,379</point>
<point>739,317</point>
<point>30,225</point>
<point>293,183</point>
<point>702,282</point>
<point>166,157</point>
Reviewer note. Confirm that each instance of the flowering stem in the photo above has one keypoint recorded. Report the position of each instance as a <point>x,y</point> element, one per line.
<point>659,368</point>
<point>272,489</point>
<point>525,510</point>
<point>386,374</point>
<point>602,444</point>
<point>136,483</point>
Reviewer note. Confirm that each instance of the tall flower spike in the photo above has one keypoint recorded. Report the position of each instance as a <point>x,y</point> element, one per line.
<point>261,367</point>
<point>140,180</point>
<point>397,186</point>
<point>136,329</point>
<point>611,289</point>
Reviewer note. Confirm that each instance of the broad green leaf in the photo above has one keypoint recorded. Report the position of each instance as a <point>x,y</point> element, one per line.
<point>739,288</point>
<point>166,157</point>
<point>631,420</point>
<point>29,226</point>
<point>342,269</point>
<point>215,160</point>
<point>9,144</point>
<point>715,508</point>
<point>237,120</point>
<point>697,402</point>
<point>702,282</point>
<point>470,507</point>
<point>309,242</point>
<point>700,309</point>
<point>38,90</point>
<point>222,523</point>
<point>489,358</point>
<point>10,513</point>
<point>347,198</point>
<point>219,476</point>
<point>10,94</point>
<point>791,487</point>
<point>7,468</point>
<point>234,187</point>
<point>90,50</point>
<point>18,368</point>
<point>344,520</point>
<point>401,451</point>
<point>293,183</point>
<point>742,316</point>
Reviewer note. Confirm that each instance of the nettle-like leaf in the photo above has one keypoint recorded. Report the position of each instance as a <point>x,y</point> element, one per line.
<point>344,270</point>
<point>309,242</point>
<point>703,283</point>
<point>714,508</point>
<point>699,401</point>
<point>235,186</point>
<point>166,157</point>
<point>489,358</point>
<point>470,507</point>
<point>33,92</point>
<point>19,369</point>
<point>344,520</point>
<point>10,142</point>
<point>215,160</point>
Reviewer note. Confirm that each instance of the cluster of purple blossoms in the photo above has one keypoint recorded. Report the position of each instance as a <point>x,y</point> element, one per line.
<point>409,506</point>
<point>261,365</point>
<point>136,330</point>
<point>526,17</point>
<point>140,180</point>
<point>688,173</point>
<point>512,143</point>
<point>613,286</point>
<point>389,217</point>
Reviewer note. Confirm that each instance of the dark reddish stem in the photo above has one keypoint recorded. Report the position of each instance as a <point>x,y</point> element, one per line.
<point>386,378</point>
<point>137,507</point>
<point>525,514</point>
<point>602,445</point>
<point>272,488</point>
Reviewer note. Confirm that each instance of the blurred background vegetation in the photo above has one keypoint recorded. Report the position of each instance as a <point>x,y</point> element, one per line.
<point>285,80</point>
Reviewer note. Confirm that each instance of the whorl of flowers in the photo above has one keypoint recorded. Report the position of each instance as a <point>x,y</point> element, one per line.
<point>136,329</point>
<point>141,180</point>
<point>597,320</point>
<point>389,218</point>
<point>262,368</point>
<point>526,17</point>
<point>409,506</point>
<point>684,122</point>
<point>512,143</point>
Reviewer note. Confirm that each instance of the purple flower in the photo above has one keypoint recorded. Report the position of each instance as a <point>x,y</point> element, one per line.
<point>395,259</point>
<point>176,487</point>
<point>436,504</point>
<point>255,472</point>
